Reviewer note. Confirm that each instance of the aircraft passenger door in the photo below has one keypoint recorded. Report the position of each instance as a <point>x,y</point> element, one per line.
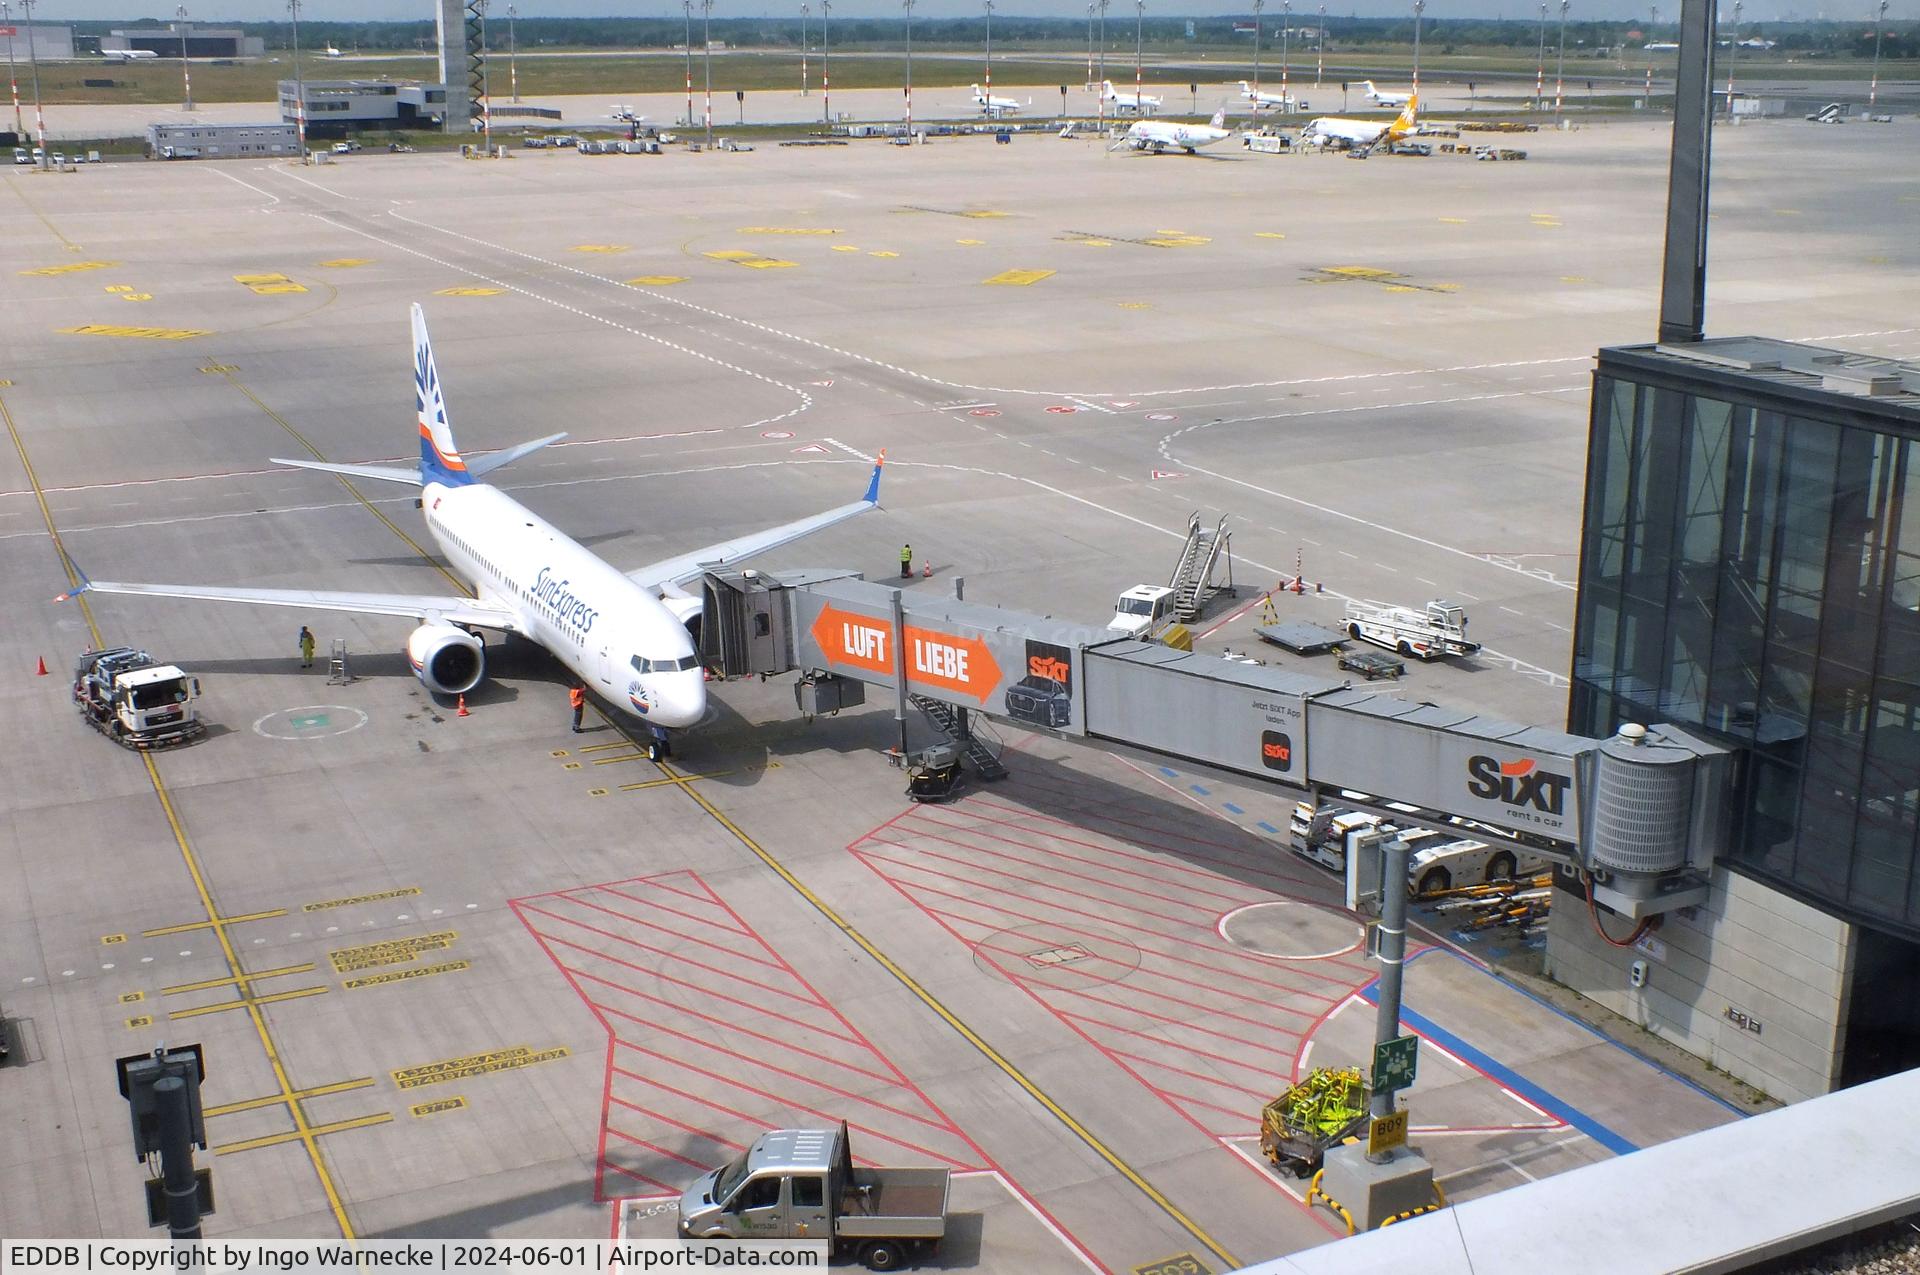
<point>605,667</point>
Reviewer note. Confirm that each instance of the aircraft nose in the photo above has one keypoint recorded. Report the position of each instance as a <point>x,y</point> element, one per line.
<point>682,701</point>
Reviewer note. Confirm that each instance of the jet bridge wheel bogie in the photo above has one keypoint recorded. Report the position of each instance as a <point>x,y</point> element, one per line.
<point>1434,880</point>
<point>1501,867</point>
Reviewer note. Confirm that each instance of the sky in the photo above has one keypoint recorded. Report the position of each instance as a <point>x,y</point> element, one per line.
<point>399,10</point>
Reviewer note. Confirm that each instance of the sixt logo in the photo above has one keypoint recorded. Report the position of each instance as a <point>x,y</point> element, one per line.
<point>1520,784</point>
<point>1048,666</point>
<point>1276,750</point>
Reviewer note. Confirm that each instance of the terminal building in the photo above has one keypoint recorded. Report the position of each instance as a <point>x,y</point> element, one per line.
<point>339,108</point>
<point>202,42</point>
<point>1750,570</point>
<point>21,42</point>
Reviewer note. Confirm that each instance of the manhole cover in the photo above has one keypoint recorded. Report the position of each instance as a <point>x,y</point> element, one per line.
<point>1290,931</point>
<point>1056,955</point>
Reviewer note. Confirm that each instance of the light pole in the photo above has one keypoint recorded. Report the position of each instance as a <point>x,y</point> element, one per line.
<point>513,54</point>
<point>706,60</point>
<point>186,74</point>
<point>1089,41</point>
<point>1258,5</point>
<point>908,6</point>
<point>1419,7</point>
<point>1139,25</point>
<point>804,11</point>
<point>1320,55</point>
<point>1560,65</point>
<point>686,10</point>
<point>1873,90</point>
<point>826,64</point>
<point>13,78</point>
<point>299,84</point>
<point>33,61</point>
<point>989,90</point>
<point>1286,55</point>
<point>1540,67</point>
<point>1103,54</point>
<point>1733,56</point>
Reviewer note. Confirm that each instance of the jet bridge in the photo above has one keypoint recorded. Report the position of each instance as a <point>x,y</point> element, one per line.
<point>1644,812</point>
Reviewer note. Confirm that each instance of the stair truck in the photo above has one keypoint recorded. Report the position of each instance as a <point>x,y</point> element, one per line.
<point>802,1184</point>
<point>134,701</point>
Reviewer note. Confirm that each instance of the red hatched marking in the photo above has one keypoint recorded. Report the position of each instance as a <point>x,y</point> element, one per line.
<point>1212,1030</point>
<point>713,1038</point>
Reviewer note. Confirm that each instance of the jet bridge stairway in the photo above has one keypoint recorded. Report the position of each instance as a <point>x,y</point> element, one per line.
<point>946,719</point>
<point>1193,579</point>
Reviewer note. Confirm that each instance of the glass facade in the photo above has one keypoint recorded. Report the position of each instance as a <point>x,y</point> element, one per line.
<point>1750,566</point>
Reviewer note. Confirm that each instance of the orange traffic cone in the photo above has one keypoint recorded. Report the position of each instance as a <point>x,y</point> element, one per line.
<point>463,708</point>
<point>43,667</point>
<point>926,569</point>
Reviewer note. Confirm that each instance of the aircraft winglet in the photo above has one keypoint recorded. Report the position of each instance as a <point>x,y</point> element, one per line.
<point>873,484</point>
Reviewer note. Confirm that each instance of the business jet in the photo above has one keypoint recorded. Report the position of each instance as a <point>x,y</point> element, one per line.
<point>1134,103</point>
<point>1360,135</point>
<point>627,634</point>
<point>994,107</point>
<point>1660,46</point>
<point>1158,137</point>
<point>128,55</point>
<point>331,52</point>
<point>1375,96</point>
<point>1282,101</point>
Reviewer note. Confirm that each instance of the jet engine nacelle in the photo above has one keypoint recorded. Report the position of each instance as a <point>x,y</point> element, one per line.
<point>446,659</point>
<point>686,609</point>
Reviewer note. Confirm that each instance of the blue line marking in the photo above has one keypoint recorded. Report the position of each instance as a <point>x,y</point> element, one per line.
<point>1264,826</point>
<point>1510,1078</point>
<point>1169,772</point>
<point>1197,788</point>
<point>1233,809</point>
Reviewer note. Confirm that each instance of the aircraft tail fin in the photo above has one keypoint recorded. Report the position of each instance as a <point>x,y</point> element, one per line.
<point>1220,118</point>
<point>1409,116</point>
<point>440,459</point>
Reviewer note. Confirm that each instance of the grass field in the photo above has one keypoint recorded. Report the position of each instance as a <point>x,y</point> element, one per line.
<point>546,74</point>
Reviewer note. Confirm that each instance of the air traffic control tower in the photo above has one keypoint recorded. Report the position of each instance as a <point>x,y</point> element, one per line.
<point>1750,569</point>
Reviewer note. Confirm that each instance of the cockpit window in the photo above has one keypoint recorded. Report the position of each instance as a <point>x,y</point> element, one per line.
<point>643,665</point>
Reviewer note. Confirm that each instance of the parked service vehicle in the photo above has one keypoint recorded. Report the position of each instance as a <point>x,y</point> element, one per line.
<point>1142,611</point>
<point>1443,866</point>
<point>534,143</point>
<point>1371,664</point>
<point>801,1184</point>
<point>128,697</point>
<point>1439,629</point>
<point>21,155</point>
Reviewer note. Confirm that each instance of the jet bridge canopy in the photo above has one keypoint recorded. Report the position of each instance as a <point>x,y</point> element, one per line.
<point>1654,798</point>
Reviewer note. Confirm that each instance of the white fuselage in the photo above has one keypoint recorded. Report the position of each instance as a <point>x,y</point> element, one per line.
<point>1378,98</point>
<point>996,105</point>
<point>1151,135</point>
<point>614,635</point>
<point>1259,99</point>
<point>1352,132</point>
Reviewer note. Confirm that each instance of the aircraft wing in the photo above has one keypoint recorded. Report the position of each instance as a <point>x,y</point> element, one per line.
<point>450,608</point>
<point>678,570</point>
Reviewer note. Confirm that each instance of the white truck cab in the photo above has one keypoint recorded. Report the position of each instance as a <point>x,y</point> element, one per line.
<point>1141,611</point>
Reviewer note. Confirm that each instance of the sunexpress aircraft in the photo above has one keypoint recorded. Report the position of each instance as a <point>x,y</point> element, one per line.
<point>624,633</point>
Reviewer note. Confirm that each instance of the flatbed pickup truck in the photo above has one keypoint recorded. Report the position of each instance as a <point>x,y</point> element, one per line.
<point>802,1184</point>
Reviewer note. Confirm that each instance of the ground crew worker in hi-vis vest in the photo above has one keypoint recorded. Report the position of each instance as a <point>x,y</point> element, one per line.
<point>577,697</point>
<point>306,647</point>
<point>906,562</point>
